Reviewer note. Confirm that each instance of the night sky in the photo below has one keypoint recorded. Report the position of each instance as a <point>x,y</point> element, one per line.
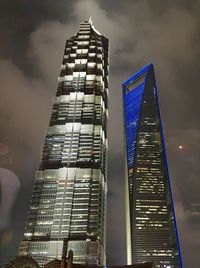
<point>33,35</point>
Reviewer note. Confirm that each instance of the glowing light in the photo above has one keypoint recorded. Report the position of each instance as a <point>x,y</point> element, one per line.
<point>180,147</point>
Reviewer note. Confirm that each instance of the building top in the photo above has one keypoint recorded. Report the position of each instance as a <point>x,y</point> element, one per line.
<point>138,74</point>
<point>89,21</point>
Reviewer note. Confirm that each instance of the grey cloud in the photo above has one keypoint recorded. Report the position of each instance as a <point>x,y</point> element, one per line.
<point>140,32</point>
<point>184,163</point>
<point>19,18</point>
<point>24,108</point>
<point>46,49</point>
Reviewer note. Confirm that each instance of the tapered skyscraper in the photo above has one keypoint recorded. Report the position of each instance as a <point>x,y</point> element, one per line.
<point>150,219</point>
<point>69,196</point>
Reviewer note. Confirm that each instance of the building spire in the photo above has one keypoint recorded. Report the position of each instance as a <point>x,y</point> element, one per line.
<point>90,20</point>
<point>91,23</point>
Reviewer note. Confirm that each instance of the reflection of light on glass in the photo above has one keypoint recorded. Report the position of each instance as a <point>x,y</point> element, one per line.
<point>9,187</point>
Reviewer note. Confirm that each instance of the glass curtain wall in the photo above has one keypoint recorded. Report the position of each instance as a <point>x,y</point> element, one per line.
<point>69,195</point>
<point>151,226</point>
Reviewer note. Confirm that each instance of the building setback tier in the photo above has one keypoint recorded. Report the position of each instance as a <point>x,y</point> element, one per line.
<point>69,193</point>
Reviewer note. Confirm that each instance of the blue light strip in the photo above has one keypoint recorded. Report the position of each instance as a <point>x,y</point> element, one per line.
<point>136,75</point>
<point>132,113</point>
<point>168,177</point>
<point>126,96</point>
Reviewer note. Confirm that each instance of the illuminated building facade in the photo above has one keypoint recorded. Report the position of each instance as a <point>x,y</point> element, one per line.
<point>150,219</point>
<point>69,196</point>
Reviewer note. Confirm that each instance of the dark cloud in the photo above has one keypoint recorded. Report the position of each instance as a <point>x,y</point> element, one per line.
<point>140,31</point>
<point>21,17</point>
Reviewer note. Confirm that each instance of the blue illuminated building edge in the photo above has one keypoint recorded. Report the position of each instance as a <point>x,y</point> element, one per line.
<point>136,75</point>
<point>168,177</point>
<point>124,85</point>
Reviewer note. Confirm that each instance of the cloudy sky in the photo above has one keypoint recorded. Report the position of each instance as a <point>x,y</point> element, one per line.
<point>33,34</point>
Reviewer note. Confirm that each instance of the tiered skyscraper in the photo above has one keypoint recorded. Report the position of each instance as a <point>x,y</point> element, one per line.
<point>69,196</point>
<point>150,219</point>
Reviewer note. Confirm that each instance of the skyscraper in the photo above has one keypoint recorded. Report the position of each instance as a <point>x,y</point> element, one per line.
<point>150,219</point>
<point>69,196</point>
